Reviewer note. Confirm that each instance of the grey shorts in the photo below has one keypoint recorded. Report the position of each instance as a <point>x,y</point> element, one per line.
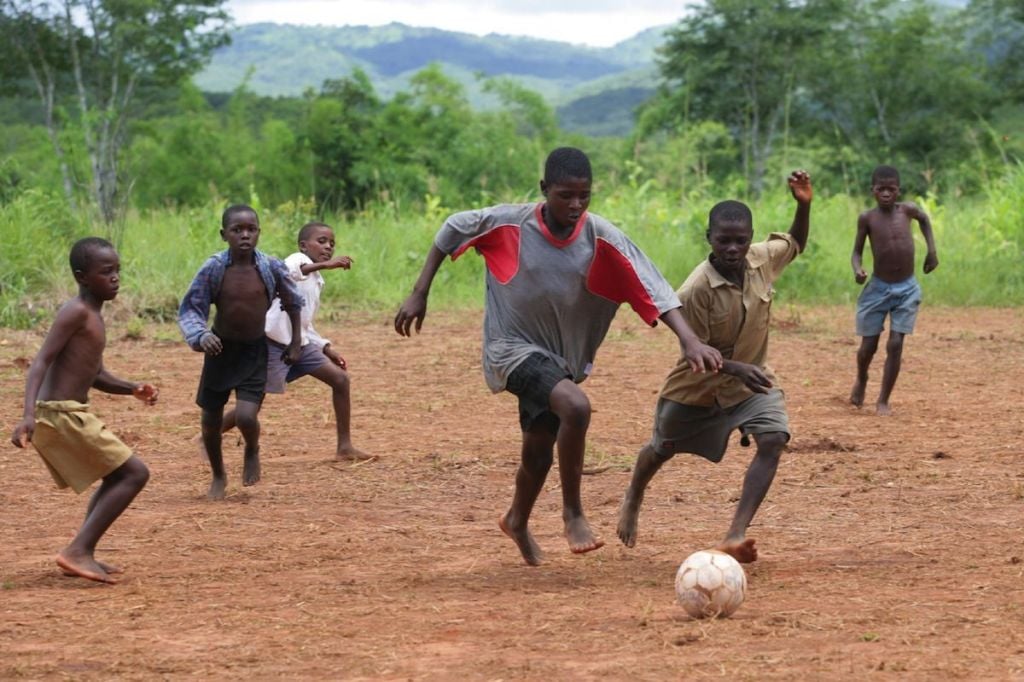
<point>899,301</point>
<point>705,431</point>
<point>278,374</point>
<point>532,382</point>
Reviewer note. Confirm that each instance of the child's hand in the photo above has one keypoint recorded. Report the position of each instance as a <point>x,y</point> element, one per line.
<point>291,354</point>
<point>343,262</point>
<point>147,393</point>
<point>702,357</point>
<point>22,435</point>
<point>931,261</point>
<point>752,377</point>
<point>413,310</point>
<point>334,357</point>
<point>800,185</point>
<point>211,344</point>
<point>860,275</point>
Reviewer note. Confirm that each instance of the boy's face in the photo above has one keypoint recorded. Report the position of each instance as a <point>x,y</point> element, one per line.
<point>730,242</point>
<point>102,277</point>
<point>242,232</point>
<point>886,191</point>
<point>567,201</point>
<point>319,246</point>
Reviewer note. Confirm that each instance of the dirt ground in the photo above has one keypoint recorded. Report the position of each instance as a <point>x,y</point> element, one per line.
<point>891,547</point>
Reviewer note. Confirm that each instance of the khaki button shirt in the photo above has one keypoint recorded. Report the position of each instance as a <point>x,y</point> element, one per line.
<point>732,320</point>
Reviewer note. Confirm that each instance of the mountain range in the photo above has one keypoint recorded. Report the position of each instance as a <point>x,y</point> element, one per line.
<point>286,60</point>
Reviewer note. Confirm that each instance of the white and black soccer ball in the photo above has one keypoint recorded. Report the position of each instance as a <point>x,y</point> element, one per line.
<point>710,584</point>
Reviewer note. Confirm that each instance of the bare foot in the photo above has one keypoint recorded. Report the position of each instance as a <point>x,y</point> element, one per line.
<point>524,540</point>
<point>83,567</point>
<point>110,569</point>
<point>857,394</point>
<point>251,468</point>
<point>581,538</point>
<point>217,488</point>
<point>351,454</point>
<point>883,410</point>
<point>742,551</point>
<point>629,514</point>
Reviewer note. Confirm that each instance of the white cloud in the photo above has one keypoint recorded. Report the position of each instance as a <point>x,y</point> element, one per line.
<point>599,22</point>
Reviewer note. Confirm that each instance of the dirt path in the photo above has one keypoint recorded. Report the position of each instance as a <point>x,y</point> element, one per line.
<point>890,547</point>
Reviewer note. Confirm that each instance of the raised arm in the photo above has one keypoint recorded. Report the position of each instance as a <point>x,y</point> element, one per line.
<point>344,262</point>
<point>800,185</point>
<point>931,259</point>
<point>856,260</point>
<point>415,306</point>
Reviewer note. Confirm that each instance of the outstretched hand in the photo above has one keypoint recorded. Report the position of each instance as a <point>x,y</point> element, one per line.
<point>800,185</point>
<point>702,357</point>
<point>413,310</point>
<point>147,393</point>
<point>344,262</point>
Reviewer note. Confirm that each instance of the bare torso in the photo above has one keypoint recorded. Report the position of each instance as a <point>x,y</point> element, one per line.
<point>241,304</point>
<point>892,244</point>
<point>79,362</point>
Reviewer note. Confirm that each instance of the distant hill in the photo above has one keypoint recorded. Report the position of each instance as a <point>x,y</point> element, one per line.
<point>594,90</point>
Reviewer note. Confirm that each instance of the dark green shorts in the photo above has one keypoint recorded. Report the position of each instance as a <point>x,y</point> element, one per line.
<point>705,431</point>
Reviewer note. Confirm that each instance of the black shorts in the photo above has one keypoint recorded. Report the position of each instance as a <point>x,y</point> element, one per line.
<point>532,382</point>
<point>241,367</point>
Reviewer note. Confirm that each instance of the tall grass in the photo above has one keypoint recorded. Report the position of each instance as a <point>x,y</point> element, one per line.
<point>980,242</point>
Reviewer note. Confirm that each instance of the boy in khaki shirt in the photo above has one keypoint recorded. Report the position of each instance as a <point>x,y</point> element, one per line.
<point>727,302</point>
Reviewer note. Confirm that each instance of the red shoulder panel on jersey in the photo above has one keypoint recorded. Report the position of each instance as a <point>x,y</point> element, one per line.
<point>613,276</point>
<point>500,249</point>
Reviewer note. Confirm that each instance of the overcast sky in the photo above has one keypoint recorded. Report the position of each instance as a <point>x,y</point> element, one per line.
<point>600,23</point>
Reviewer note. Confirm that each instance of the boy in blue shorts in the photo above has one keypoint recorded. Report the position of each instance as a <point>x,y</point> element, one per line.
<point>727,302</point>
<point>893,289</point>
<point>317,357</point>
<point>556,276</point>
<point>241,282</point>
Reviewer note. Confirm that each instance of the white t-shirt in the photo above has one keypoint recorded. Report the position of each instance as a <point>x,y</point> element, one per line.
<point>278,327</point>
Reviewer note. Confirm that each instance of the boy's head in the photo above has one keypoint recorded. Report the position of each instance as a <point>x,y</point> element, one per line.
<point>240,228</point>
<point>730,232</point>
<point>885,185</point>
<point>566,186</point>
<point>316,240</point>
<point>96,267</point>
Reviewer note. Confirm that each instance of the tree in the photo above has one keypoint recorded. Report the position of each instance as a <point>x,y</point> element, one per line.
<point>89,59</point>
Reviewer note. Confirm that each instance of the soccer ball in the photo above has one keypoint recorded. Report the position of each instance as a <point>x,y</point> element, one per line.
<point>710,583</point>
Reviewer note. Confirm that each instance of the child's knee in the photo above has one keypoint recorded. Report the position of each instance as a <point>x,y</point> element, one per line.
<point>538,462</point>
<point>576,412</point>
<point>771,444</point>
<point>340,382</point>
<point>247,421</point>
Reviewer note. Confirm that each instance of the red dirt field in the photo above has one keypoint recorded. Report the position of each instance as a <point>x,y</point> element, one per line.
<point>891,548</point>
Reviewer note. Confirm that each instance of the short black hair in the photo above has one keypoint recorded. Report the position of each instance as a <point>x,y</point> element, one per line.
<point>730,211</point>
<point>884,173</point>
<point>308,228</point>
<point>235,209</point>
<point>567,163</point>
<point>83,250</point>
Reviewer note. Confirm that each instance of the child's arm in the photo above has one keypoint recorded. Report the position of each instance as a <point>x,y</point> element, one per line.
<point>699,355</point>
<point>291,303</point>
<point>69,320</point>
<point>858,249</point>
<point>194,312</point>
<point>343,262</point>
<point>108,383</point>
<point>751,375</point>
<point>415,306</point>
<point>931,260</point>
<point>800,185</point>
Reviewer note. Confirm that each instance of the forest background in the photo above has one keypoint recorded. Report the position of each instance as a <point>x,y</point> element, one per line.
<point>105,132</point>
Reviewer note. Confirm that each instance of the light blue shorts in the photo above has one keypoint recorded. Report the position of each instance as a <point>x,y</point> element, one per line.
<point>900,301</point>
<point>279,374</point>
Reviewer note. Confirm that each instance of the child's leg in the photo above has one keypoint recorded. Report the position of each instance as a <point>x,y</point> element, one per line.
<point>868,346</point>
<point>647,464</point>
<point>114,495</point>
<point>756,483</point>
<point>572,407</point>
<point>212,421</point>
<point>338,380</point>
<point>248,422</point>
<point>535,462</point>
<point>893,359</point>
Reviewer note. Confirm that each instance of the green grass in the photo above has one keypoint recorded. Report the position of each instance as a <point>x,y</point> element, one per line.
<point>980,242</point>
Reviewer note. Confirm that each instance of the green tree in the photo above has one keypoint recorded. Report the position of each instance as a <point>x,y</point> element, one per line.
<point>91,58</point>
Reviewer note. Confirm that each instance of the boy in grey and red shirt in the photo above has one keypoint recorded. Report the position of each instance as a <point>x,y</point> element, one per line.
<point>556,276</point>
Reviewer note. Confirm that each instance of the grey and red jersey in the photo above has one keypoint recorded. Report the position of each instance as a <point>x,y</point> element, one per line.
<point>548,295</point>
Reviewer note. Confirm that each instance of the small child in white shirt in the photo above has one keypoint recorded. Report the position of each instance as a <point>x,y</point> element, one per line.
<point>317,357</point>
